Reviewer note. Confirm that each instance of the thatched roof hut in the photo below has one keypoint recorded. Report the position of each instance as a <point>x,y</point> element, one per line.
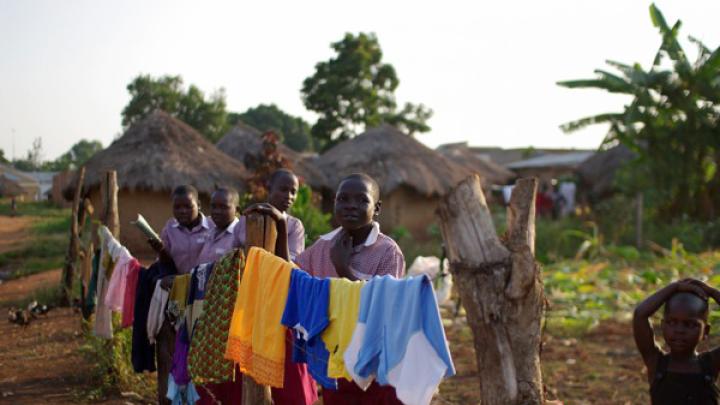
<point>597,174</point>
<point>154,156</point>
<point>412,177</point>
<point>244,143</point>
<point>491,172</point>
<point>15,183</point>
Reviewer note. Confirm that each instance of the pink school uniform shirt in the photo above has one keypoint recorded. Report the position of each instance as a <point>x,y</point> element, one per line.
<point>377,256</point>
<point>183,244</point>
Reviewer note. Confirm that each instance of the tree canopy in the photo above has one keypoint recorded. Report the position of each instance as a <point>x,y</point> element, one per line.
<point>354,90</point>
<point>206,114</point>
<point>672,123</point>
<point>292,131</point>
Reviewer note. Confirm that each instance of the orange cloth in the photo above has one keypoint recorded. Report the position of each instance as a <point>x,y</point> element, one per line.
<point>257,338</point>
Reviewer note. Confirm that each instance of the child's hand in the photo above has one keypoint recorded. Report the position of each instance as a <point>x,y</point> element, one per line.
<point>156,244</point>
<point>690,285</point>
<point>167,282</point>
<point>340,253</point>
<point>709,291</point>
<point>265,209</point>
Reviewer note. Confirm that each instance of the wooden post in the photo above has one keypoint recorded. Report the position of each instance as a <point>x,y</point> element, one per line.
<point>109,192</point>
<point>639,221</point>
<point>260,231</point>
<point>501,288</point>
<point>74,245</point>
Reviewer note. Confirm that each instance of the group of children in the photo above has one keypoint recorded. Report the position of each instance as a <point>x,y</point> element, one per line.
<point>356,250</point>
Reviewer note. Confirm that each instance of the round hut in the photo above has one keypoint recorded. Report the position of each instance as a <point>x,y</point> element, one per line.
<point>597,174</point>
<point>412,177</point>
<point>243,142</point>
<point>153,157</point>
<point>491,172</point>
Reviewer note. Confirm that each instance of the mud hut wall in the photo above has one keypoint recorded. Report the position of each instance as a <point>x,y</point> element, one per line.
<point>406,208</point>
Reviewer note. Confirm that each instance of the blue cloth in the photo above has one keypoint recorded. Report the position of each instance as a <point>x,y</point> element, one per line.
<point>393,310</point>
<point>306,312</point>
<point>143,353</point>
<point>181,394</point>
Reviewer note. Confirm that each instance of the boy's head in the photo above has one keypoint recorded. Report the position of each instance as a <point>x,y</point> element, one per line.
<point>684,322</point>
<point>357,201</point>
<point>282,189</point>
<point>186,208</point>
<point>223,206</point>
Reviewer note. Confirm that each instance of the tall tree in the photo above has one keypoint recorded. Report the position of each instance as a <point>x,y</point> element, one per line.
<point>206,114</point>
<point>3,159</point>
<point>356,89</point>
<point>672,123</point>
<point>292,131</point>
<point>78,154</point>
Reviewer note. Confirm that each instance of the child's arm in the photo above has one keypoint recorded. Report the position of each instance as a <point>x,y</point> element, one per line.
<point>642,329</point>
<point>281,245</point>
<point>715,295</point>
<point>340,254</point>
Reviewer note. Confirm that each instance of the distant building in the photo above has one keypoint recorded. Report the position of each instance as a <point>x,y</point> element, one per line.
<point>21,185</point>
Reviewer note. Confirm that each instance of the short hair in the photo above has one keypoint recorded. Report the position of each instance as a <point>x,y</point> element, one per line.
<point>277,174</point>
<point>689,300</point>
<point>184,190</point>
<point>231,192</point>
<point>374,187</point>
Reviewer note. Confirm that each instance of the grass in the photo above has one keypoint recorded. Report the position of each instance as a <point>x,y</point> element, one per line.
<point>49,238</point>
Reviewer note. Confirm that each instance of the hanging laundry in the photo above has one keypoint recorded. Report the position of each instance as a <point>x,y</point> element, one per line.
<point>128,307</point>
<point>343,313</point>
<point>117,284</point>
<point>196,294</point>
<point>399,339</point>
<point>91,295</point>
<point>181,389</point>
<point>143,353</point>
<point>177,301</point>
<point>156,312</point>
<point>257,338</point>
<point>103,313</point>
<point>206,360</point>
<point>306,312</point>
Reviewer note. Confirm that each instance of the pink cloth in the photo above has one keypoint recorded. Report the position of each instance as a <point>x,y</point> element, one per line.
<point>118,279</point>
<point>378,256</point>
<point>299,387</point>
<point>184,245</point>
<point>128,307</point>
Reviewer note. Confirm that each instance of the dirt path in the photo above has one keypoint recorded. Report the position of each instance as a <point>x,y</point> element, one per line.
<point>40,363</point>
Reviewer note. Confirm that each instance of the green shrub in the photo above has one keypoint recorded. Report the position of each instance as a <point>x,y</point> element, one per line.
<point>316,222</point>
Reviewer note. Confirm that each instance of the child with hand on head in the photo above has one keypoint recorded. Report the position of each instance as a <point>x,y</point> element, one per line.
<point>681,375</point>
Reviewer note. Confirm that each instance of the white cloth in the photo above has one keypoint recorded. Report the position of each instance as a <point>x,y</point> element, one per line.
<point>156,312</point>
<point>103,313</point>
<point>507,193</point>
<point>567,190</point>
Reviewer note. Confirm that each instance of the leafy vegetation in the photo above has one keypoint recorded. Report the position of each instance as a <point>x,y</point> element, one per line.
<point>316,222</point>
<point>292,131</point>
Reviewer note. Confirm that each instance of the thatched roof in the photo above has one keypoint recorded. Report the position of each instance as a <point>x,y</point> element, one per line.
<point>161,152</point>
<point>394,159</point>
<point>491,173</point>
<point>244,143</point>
<point>597,173</point>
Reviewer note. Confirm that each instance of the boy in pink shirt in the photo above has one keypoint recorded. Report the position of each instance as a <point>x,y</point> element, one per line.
<point>357,250</point>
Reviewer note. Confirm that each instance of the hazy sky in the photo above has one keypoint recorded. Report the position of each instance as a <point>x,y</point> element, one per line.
<point>487,69</point>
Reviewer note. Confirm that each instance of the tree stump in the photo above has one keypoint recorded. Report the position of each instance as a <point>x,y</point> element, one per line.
<point>501,288</point>
<point>260,231</point>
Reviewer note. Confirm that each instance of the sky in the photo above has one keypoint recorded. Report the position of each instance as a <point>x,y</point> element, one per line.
<point>487,69</point>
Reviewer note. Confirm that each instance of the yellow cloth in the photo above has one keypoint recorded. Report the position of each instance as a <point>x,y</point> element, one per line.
<point>178,295</point>
<point>257,338</point>
<point>343,314</point>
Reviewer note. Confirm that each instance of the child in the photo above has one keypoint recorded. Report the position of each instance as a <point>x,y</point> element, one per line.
<point>225,234</point>
<point>183,237</point>
<point>681,376</point>
<point>355,250</point>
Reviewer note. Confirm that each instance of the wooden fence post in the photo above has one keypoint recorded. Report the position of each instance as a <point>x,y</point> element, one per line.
<point>109,192</point>
<point>260,231</point>
<point>73,245</point>
<point>501,288</point>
